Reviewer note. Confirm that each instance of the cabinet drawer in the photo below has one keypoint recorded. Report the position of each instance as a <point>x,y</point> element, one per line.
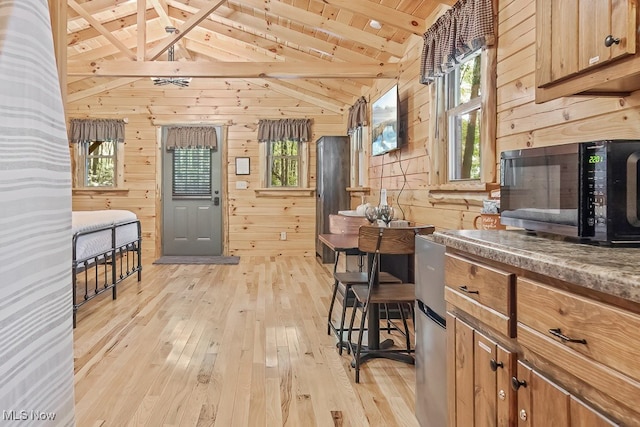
<point>484,292</point>
<point>605,333</point>
<point>621,388</point>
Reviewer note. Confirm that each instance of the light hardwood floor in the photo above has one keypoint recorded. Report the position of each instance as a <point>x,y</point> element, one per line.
<point>243,345</point>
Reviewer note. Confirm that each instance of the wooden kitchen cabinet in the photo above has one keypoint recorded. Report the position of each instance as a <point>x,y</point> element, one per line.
<point>484,292</point>
<point>479,378</point>
<point>570,359</point>
<point>481,367</point>
<point>542,403</point>
<point>606,31</point>
<point>574,38</point>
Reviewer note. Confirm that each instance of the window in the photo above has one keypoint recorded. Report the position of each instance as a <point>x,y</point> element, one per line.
<point>99,164</point>
<point>191,172</point>
<point>283,164</point>
<point>462,141</point>
<point>358,155</point>
<point>464,118</point>
<point>284,157</point>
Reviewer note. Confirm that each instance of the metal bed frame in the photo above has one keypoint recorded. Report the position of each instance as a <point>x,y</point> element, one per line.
<point>104,270</point>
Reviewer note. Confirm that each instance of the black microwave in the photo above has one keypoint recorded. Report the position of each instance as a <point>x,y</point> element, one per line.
<point>587,190</point>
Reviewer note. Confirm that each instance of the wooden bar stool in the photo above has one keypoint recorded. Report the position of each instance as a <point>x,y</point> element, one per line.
<point>376,241</point>
<point>342,224</point>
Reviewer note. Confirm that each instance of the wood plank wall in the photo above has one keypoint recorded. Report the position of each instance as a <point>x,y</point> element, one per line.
<point>255,223</point>
<point>520,123</point>
<point>405,173</point>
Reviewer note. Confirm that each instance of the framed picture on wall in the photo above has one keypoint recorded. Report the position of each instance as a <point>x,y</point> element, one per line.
<point>242,166</point>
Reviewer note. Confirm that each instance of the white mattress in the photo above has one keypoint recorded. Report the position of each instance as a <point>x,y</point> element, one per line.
<point>97,243</point>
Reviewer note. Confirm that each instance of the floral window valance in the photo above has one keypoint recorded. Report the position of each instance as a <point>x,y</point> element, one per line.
<point>85,130</point>
<point>284,130</point>
<point>466,27</point>
<point>357,115</point>
<point>191,137</point>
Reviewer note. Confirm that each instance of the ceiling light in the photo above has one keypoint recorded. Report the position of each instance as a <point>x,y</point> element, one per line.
<point>375,24</point>
<point>178,81</point>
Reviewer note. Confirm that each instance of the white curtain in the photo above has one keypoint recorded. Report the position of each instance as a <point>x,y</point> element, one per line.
<point>36,350</point>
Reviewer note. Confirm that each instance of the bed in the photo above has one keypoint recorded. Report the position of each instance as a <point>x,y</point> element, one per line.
<point>106,247</point>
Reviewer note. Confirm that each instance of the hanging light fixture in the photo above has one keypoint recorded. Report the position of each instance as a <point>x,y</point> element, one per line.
<point>178,81</point>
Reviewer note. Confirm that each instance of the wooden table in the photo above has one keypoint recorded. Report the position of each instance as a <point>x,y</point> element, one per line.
<point>348,243</point>
<point>340,242</point>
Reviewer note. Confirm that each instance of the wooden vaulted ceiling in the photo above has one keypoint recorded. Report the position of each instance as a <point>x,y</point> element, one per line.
<point>313,47</point>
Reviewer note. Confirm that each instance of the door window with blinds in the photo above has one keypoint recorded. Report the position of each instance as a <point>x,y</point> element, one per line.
<point>191,173</point>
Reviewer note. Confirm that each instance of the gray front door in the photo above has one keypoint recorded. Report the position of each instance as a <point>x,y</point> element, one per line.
<point>192,201</point>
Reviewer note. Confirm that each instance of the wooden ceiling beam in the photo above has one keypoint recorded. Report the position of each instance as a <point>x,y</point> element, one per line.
<point>286,70</point>
<point>283,34</point>
<point>98,89</point>
<point>437,12</point>
<point>128,22</point>
<point>311,88</point>
<point>238,43</point>
<point>194,20</point>
<point>242,39</point>
<point>222,52</point>
<point>292,90</point>
<point>98,26</point>
<point>383,14</point>
<point>351,87</point>
<point>161,8</point>
<point>141,29</point>
<point>58,15</point>
<point>326,25</point>
<point>155,33</point>
<point>95,6</point>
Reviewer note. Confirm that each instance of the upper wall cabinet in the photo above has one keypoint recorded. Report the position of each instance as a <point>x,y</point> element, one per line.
<point>606,31</point>
<point>585,47</point>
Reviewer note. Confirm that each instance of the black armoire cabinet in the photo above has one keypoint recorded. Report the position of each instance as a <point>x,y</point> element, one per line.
<point>332,180</point>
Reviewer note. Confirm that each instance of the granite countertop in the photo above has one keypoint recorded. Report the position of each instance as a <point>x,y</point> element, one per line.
<point>611,270</point>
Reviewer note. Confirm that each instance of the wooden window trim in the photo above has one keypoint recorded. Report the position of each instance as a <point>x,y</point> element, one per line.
<point>79,162</point>
<point>88,191</point>
<point>301,191</point>
<point>285,192</point>
<point>438,147</point>
<point>359,170</point>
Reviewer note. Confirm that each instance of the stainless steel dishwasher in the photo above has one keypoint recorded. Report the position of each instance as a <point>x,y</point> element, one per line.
<point>431,336</point>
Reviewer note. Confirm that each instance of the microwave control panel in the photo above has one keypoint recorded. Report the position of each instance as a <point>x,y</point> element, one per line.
<point>596,163</point>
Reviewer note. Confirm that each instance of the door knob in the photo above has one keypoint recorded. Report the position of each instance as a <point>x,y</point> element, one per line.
<point>516,383</point>
<point>495,365</point>
<point>216,201</point>
<point>610,40</point>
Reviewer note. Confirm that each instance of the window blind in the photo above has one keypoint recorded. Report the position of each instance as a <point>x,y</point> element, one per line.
<point>192,172</point>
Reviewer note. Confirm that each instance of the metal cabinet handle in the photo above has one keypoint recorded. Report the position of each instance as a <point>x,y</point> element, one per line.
<point>610,40</point>
<point>466,290</point>
<point>556,332</point>
<point>516,383</point>
<point>495,365</point>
